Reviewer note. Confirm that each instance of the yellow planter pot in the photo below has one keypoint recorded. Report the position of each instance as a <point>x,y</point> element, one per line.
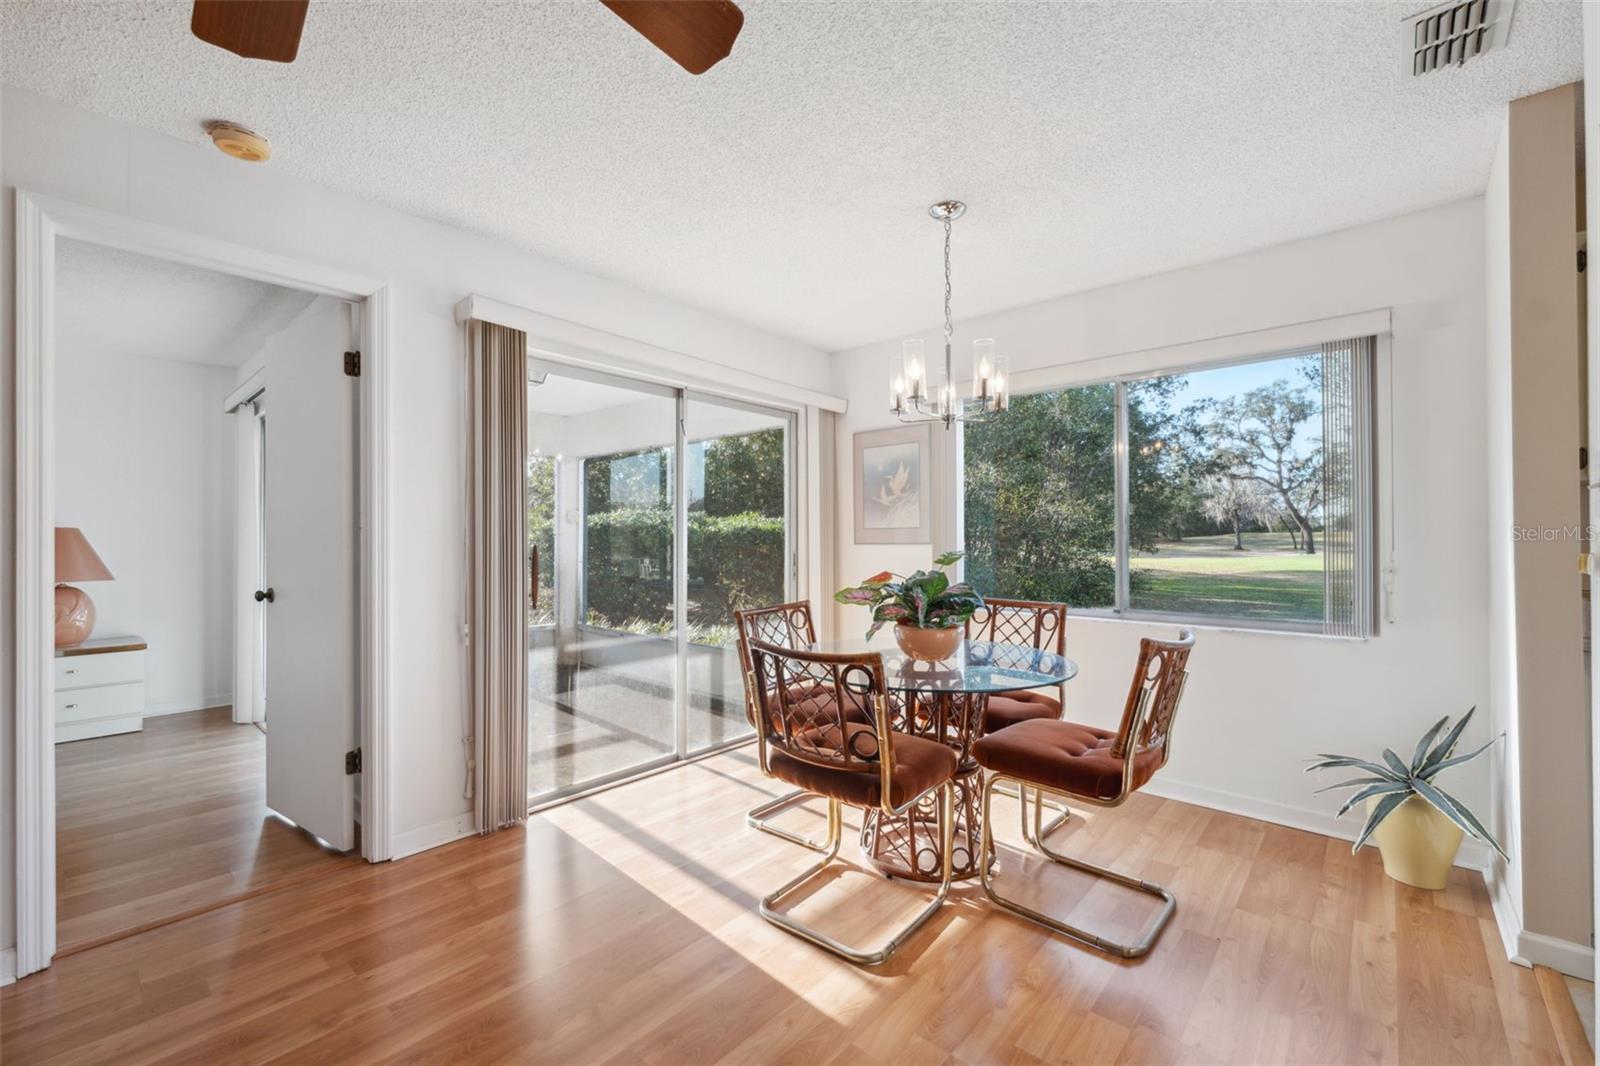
<point>1418,843</point>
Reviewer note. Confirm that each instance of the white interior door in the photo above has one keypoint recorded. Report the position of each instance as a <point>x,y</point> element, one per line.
<point>310,637</point>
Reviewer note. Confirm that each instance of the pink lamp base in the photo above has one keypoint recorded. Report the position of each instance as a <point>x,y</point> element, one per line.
<point>74,616</point>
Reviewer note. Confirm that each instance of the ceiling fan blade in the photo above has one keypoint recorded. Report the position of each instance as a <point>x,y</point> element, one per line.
<point>255,29</point>
<point>695,34</point>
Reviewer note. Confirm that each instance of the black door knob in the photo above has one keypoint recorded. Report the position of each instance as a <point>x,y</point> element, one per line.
<point>267,595</point>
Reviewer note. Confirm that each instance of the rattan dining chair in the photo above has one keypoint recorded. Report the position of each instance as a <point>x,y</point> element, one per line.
<point>1035,624</point>
<point>824,724</point>
<point>1079,762</point>
<point>787,625</point>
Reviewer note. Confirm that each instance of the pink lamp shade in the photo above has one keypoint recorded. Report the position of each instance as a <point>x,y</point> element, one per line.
<point>75,561</point>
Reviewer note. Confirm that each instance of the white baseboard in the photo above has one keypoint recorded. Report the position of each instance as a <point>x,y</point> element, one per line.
<point>1534,949</point>
<point>433,835</point>
<point>8,966</point>
<point>1574,960</point>
<point>1506,915</point>
<point>184,706</point>
<point>1472,856</point>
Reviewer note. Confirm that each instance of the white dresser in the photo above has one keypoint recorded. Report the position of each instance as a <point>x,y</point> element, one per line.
<point>100,688</point>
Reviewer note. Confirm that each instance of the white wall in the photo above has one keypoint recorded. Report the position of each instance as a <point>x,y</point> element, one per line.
<point>1259,705</point>
<point>56,150</point>
<point>1505,878</point>
<point>145,466</point>
<point>1540,692</point>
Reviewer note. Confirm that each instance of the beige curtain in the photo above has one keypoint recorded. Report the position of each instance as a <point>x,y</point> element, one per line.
<point>497,582</point>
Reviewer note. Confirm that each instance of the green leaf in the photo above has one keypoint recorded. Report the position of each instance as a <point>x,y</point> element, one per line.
<point>1330,762</point>
<point>1430,774</point>
<point>1427,739</point>
<point>1457,812</point>
<point>1395,764</point>
<point>1354,781</point>
<point>948,559</point>
<point>1381,789</point>
<point>873,628</point>
<point>1442,750</point>
<point>919,604</point>
<point>1384,807</point>
<point>860,594</point>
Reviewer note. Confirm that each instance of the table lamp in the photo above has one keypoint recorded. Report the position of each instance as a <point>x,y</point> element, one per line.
<point>75,561</point>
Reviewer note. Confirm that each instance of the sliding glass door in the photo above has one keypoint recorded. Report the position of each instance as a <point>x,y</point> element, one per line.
<point>739,552</point>
<point>653,515</point>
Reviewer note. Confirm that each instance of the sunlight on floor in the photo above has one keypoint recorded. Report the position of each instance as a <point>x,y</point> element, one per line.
<point>717,881</point>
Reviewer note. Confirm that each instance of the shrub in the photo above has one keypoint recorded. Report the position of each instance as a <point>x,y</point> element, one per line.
<point>735,561</point>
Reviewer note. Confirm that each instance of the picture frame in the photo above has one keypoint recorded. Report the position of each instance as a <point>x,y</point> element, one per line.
<point>892,486</point>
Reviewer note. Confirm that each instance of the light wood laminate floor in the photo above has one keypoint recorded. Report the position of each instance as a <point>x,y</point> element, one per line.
<point>623,928</point>
<point>167,821</point>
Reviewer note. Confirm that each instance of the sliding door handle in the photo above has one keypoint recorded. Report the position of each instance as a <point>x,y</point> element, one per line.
<point>267,595</point>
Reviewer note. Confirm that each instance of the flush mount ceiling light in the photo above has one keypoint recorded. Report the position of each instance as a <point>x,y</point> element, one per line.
<point>908,372</point>
<point>239,142</point>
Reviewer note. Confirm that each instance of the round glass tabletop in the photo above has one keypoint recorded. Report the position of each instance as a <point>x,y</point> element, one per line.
<point>977,666</point>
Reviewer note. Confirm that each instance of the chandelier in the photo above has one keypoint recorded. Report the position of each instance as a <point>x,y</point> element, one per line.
<point>909,396</point>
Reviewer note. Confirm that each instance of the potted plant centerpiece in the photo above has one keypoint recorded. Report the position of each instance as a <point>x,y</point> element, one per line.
<point>1418,825</point>
<point>927,609</point>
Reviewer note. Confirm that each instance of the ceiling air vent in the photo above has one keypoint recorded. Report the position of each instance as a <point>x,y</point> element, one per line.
<point>1452,33</point>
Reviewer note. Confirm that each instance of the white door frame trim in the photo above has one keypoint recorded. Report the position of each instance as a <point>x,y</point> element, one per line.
<point>40,221</point>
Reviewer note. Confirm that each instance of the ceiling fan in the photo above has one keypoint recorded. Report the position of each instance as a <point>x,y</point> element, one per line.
<point>695,34</point>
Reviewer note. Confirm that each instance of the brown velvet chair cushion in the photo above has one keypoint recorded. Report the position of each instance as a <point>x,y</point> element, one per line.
<point>1064,756</point>
<point>919,764</point>
<point>1009,708</point>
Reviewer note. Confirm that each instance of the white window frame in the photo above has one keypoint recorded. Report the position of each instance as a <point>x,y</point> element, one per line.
<point>1375,552</point>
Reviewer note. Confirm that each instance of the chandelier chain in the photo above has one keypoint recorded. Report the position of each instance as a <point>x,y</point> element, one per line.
<point>949,326</point>
<point>911,376</point>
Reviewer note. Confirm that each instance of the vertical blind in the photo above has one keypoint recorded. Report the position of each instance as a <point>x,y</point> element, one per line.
<point>497,585</point>
<point>1347,486</point>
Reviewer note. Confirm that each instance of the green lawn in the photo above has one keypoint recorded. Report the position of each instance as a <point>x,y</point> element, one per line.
<point>1269,580</point>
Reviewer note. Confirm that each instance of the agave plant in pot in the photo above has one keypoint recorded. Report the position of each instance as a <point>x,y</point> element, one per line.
<point>928,610</point>
<point>1418,825</point>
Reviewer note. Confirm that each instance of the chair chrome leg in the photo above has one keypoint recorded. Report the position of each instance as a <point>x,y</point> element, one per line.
<point>1039,803</point>
<point>1128,951</point>
<point>756,818</point>
<point>1020,794</point>
<point>844,951</point>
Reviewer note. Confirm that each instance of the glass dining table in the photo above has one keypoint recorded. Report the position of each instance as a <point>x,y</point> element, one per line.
<point>945,701</point>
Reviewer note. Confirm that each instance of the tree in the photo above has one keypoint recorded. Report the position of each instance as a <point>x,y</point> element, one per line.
<point>1256,437</point>
<point>1040,499</point>
<point>1237,502</point>
<point>542,531</point>
<point>744,474</point>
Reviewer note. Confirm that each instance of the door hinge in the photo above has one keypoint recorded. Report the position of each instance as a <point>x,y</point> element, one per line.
<point>352,364</point>
<point>352,761</point>
<point>1583,260</point>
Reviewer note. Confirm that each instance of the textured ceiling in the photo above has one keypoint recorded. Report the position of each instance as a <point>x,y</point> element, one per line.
<point>787,187</point>
<point>111,302</point>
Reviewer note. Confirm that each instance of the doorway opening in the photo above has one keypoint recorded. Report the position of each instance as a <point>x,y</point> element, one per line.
<point>222,580</point>
<point>654,513</point>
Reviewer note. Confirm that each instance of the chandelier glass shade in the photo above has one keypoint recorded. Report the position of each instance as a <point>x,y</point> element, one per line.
<point>917,393</point>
